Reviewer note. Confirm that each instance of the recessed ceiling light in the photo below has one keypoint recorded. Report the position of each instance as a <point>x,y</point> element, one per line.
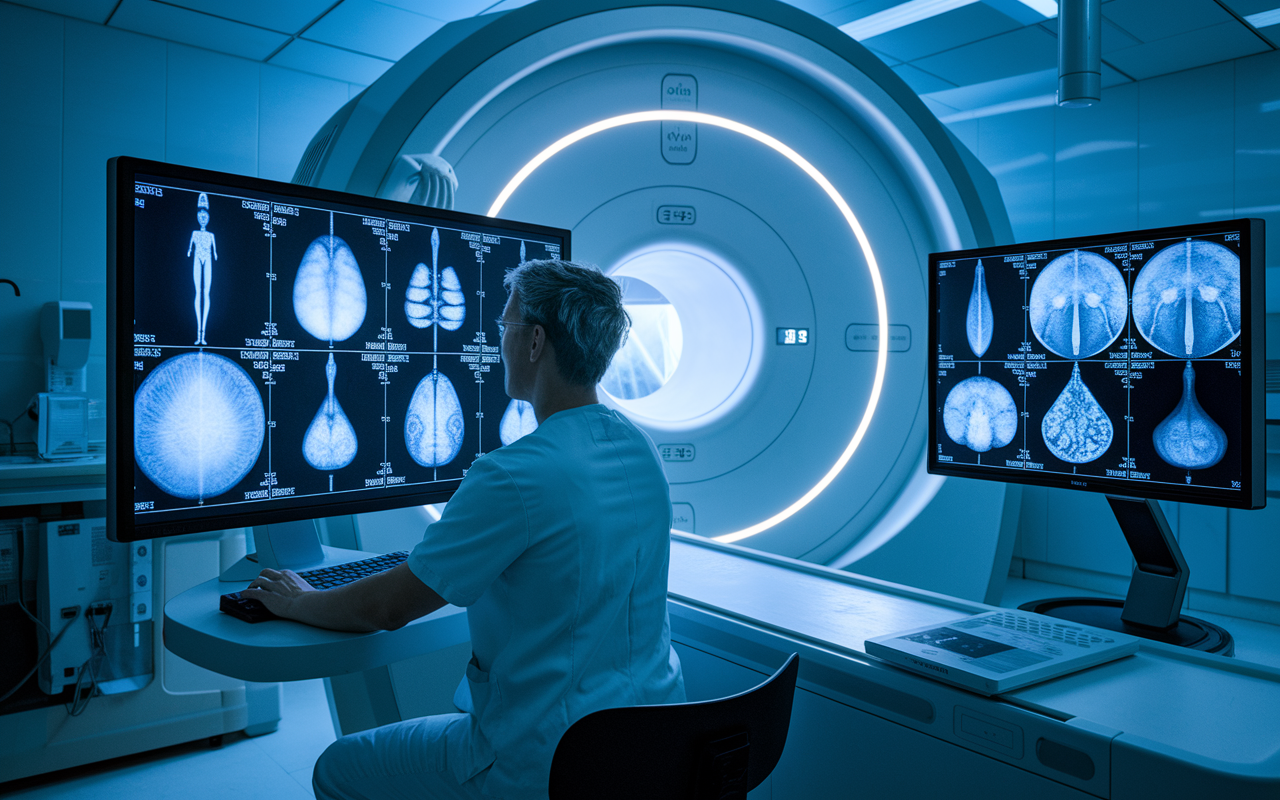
<point>916,10</point>
<point>1264,18</point>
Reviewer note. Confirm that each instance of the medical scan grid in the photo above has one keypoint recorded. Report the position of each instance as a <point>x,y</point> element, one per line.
<point>1119,361</point>
<point>309,350</point>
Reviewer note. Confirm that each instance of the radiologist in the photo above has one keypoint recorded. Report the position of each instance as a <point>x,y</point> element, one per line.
<point>557,545</point>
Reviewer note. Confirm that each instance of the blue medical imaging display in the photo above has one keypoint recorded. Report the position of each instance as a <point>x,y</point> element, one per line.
<point>1127,363</point>
<point>281,352</point>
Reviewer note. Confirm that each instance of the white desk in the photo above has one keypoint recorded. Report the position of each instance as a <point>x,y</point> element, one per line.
<point>283,650</point>
<point>355,666</point>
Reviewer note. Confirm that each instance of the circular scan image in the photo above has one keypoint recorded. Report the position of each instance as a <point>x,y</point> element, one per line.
<point>1186,300</point>
<point>979,414</point>
<point>1078,304</point>
<point>198,425</point>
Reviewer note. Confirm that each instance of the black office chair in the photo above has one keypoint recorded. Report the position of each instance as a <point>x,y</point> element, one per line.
<point>718,749</point>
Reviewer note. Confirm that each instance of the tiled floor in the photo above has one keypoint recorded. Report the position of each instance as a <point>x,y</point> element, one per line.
<point>275,766</point>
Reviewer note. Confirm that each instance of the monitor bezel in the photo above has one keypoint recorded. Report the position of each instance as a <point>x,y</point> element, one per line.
<point>121,172</point>
<point>1252,495</point>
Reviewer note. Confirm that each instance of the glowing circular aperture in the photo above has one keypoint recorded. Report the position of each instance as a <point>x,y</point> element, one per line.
<point>882,311</point>
<point>651,352</point>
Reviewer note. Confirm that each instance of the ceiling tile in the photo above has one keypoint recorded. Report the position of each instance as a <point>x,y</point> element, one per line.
<point>1152,20</point>
<point>1017,10</point>
<point>330,62</point>
<point>1018,52</point>
<point>920,81</point>
<point>863,8</point>
<point>196,29</point>
<point>1193,49</point>
<point>954,28</point>
<point>820,8</point>
<point>444,10</point>
<point>372,28</point>
<point>1004,90</point>
<point>1113,38</point>
<point>1112,76</point>
<point>506,5</point>
<point>90,10</point>
<point>290,17</point>
<point>1246,7</point>
<point>885,57</point>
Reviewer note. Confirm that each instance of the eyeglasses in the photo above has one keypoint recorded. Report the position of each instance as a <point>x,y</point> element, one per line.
<point>503,324</point>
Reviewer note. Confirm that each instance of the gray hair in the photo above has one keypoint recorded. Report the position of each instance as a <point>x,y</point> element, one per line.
<point>579,308</point>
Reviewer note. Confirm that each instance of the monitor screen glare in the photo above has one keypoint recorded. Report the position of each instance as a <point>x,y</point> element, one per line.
<point>1121,363</point>
<point>283,352</point>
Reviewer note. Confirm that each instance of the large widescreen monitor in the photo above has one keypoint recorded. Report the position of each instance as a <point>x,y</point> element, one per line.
<point>1126,363</point>
<point>278,352</point>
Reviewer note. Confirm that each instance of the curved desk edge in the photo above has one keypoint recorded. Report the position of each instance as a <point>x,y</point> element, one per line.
<point>283,650</point>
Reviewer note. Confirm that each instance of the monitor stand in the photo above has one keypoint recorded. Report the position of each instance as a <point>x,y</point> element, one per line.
<point>287,545</point>
<point>1152,608</point>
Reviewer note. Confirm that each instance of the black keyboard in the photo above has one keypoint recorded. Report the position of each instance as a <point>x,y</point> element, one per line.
<point>329,577</point>
<point>324,578</point>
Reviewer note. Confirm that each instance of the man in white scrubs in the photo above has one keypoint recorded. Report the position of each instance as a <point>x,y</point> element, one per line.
<point>556,544</point>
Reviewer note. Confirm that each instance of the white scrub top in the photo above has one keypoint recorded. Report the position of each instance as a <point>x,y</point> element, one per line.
<point>558,545</point>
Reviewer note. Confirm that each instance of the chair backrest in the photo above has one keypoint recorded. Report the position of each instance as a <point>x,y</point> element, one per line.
<point>718,749</point>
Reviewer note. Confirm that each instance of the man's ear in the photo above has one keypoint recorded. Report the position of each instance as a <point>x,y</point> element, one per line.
<point>539,345</point>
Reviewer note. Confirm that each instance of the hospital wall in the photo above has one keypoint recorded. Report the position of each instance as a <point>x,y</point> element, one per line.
<point>73,95</point>
<point>1193,146</point>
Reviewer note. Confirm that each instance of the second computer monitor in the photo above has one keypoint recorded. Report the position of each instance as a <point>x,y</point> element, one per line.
<point>1128,363</point>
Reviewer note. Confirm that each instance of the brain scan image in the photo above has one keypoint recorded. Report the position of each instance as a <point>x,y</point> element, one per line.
<point>1078,304</point>
<point>517,421</point>
<point>199,425</point>
<point>1188,438</point>
<point>328,295</point>
<point>435,296</point>
<point>978,320</point>
<point>979,414</point>
<point>433,425</point>
<point>1075,428</point>
<point>1186,300</point>
<point>330,441</point>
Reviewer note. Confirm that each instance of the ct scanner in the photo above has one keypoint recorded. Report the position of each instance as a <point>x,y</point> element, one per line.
<point>759,170</point>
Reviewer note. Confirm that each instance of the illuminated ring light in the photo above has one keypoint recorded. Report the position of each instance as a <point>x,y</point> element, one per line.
<point>882,352</point>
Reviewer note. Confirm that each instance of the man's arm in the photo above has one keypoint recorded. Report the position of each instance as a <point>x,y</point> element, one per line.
<point>386,601</point>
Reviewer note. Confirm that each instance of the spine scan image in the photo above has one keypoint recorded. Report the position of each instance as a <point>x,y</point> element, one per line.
<point>980,414</point>
<point>206,252</point>
<point>1078,304</point>
<point>1075,428</point>
<point>330,442</point>
<point>328,295</point>
<point>198,425</point>
<point>1186,300</point>
<point>434,296</point>
<point>1188,438</point>
<point>978,320</point>
<point>433,425</point>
